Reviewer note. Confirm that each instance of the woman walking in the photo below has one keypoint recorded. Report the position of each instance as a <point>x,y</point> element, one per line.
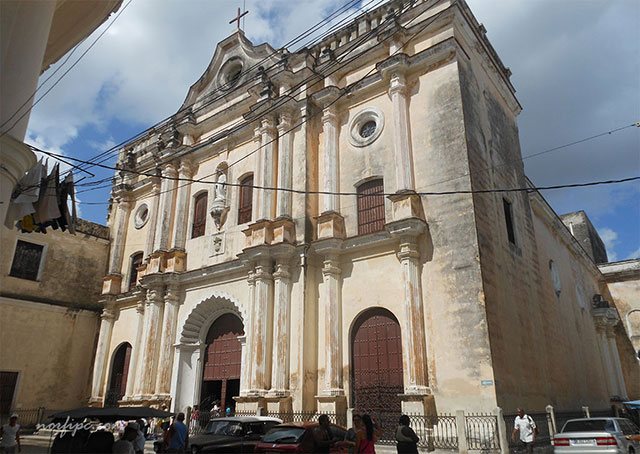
<point>366,437</point>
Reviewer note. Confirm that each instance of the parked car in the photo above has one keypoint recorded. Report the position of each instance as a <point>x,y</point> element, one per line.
<point>297,437</point>
<point>238,434</point>
<point>597,435</point>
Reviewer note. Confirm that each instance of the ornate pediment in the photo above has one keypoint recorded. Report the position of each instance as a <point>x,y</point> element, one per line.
<point>234,61</point>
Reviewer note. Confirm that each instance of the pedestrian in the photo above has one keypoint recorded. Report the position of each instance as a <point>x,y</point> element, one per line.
<point>195,420</point>
<point>406,437</point>
<point>10,434</point>
<point>125,444</point>
<point>350,436</point>
<point>177,435</point>
<point>367,437</point>
<point>322,439</point>
<point>526,428</point>
<point>138,443</point>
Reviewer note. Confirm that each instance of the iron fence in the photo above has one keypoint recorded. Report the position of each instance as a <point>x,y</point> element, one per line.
<point>435,432</point>
<point>541,421</point>
<point>302,416</point>
<point>200,420</point>
<point>27,417</point>
<point>481,431</point>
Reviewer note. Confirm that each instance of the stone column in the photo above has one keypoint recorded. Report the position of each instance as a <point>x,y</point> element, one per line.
<point>246,378</point>
<point>617,366</point>
<point>132,378</point>
<point>329,161</point>
<point>120,235</point>
<point>281,337</point>
<point>185,171</point>
<point>269,168</point>
<point>150,342</point>
<point>167,194</point>
<point>331,301</point>
<point>102,353</point>
<point>257,176</point>
<point>401,132</point>
<point>167,339</point>
<point>285,165</point>
<point>153,217</point>
<point>261,330</point>
<point>413,330</point>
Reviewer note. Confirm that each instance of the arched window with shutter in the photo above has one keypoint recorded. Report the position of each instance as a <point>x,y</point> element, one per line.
<point>199,215</point>
<point>246,196</point>
<point>371,206</point>
<point>136,261</point>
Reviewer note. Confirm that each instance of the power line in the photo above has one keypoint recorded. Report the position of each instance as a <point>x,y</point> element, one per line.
<point>221,89</point>
<point>65,73</point>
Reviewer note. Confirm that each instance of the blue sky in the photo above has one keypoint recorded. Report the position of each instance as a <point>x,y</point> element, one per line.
<point>575,64</point>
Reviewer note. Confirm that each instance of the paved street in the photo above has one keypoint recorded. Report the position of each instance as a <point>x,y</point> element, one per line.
<point>39,444</point>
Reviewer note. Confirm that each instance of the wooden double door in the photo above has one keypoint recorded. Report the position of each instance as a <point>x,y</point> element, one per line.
<point>222,363</point>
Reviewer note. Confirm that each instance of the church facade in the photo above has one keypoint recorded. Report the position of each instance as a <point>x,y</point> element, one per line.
<point>317,231</point>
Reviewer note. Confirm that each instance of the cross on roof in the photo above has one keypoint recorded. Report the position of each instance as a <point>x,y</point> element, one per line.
<point>238,17</point>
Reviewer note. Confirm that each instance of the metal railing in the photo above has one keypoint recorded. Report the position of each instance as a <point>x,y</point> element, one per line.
<point>481,430</point>
<point>302,416</point>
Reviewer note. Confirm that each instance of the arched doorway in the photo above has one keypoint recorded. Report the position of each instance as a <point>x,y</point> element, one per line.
<point>119,375</point>
<point>376,372</point>
<point>222,363</point>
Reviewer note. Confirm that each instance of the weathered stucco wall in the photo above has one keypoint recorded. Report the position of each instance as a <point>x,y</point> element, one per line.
<point>52,348</point>
<point>80,259</point>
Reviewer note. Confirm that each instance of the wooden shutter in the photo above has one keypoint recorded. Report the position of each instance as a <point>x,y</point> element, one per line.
<point>370,207</point>
<point>199,216</point>
<point>246,198</point>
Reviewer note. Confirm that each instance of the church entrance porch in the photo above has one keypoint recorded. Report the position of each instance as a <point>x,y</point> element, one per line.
<point>222,364</point>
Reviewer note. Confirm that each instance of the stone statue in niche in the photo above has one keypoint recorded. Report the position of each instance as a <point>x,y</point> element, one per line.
<point>219,207</point>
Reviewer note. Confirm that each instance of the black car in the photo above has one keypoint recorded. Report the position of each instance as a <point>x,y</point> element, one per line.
<point>237,434</point>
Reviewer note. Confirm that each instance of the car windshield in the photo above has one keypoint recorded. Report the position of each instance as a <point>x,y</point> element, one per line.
<point>233,428</point>
<point>284,435</point>
<point>589,425</point>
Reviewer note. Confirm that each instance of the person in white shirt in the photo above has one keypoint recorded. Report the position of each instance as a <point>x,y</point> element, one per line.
<point>10,434</point>
<point>526,428</point>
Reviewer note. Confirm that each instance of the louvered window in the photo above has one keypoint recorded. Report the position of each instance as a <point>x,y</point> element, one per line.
<point>370,207</point>
<point>246,197</point>
<point>199,216</point>
<point>26,261</point>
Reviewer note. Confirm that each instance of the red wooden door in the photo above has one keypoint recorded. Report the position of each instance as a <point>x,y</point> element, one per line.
<point>222,361</point>
<point>119,374</point>
<point>377,362</point>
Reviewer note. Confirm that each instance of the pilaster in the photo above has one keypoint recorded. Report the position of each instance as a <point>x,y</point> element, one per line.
<point>185,172</point>
<point>150,341</point>
<point>134,367</point>
<point>107,319</point>
<point>285,164</point>
<point>416,380</point>
<point>269,164</point>
<point>167,196</point>
<point>172,299</point>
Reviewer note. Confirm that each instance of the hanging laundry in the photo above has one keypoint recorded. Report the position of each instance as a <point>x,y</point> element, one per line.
<point>25,194</point>
<point>47,205</point>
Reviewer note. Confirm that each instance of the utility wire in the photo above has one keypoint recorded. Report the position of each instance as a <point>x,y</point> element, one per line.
<point>28,111</point>
<point>221,90</point>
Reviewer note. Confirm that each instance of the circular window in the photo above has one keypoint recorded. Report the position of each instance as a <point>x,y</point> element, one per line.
<point>366,127</point>
<point>141,216</point>
<point>230,73</point>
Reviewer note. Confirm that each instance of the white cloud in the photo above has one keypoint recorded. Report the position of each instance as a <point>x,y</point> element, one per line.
<point>610,239</point>
<point>635,254</point>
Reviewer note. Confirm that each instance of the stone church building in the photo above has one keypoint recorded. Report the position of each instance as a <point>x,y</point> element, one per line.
<point>309,232</point>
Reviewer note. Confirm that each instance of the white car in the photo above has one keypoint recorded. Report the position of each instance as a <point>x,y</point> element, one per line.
<point>597,436</point>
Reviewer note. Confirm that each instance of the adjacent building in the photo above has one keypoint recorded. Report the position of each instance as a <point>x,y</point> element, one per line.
<point>320,230</point>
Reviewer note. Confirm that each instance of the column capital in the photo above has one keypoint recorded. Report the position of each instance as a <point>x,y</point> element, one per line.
<point>268,126</point>
<point>285,120</point>
<point>397,84</point>
<point>263,271</point>
<point>408,250</point>
<point>154,294</point>
<point>330,116</point>
<point>282,270</point>
<point>172,295</point>
<point>169,170</point>
<point>140,307</point>
<point>331,266</point>
<point>108,314</point>
<point>124,201</point>
<point>187,168</point>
